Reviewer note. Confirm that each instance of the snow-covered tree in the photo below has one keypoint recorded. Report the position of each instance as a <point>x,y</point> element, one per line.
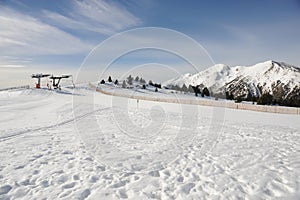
<point>175,87</point>
<point>151,83</point>
<point>190,89</point>
<point>142,81</point>
<point>124,84</point>
<point>196,90</point>
<point>129,80</point>
<point>184,88</point>
<point>265,99</point>
<point>205,92</point>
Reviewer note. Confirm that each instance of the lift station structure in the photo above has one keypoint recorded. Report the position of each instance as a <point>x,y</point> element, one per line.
<point>39,77</point>
<point>56,80</point>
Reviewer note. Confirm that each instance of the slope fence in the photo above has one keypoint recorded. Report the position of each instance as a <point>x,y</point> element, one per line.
<point>18,87</point>
<point>199,101</point>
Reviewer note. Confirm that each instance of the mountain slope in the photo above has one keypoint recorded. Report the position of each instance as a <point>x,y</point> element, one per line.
<point>280,79</point>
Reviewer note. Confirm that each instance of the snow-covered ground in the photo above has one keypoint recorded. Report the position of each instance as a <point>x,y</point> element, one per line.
<point>77,144</point>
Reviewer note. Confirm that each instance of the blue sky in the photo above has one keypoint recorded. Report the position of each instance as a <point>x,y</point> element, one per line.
<point>60,33</point>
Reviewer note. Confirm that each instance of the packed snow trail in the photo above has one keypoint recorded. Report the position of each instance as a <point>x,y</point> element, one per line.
<point>255,156</point>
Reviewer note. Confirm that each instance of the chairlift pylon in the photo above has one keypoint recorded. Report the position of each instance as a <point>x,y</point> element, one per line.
<point>38,77</point>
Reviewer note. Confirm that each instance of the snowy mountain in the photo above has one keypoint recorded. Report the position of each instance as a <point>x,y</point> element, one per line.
<point>279,79</point>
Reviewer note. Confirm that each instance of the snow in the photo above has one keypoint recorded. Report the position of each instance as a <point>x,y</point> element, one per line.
<point>264,73</point>
<point>82,144</point>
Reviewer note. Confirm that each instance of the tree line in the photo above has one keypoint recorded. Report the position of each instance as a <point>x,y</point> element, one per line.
<point>267,99</point>
<point>197,90</point>
<point>128,82</point>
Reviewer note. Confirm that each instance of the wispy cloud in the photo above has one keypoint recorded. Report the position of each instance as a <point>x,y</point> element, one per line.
<point>25,35</point>
<point>28,33</point>
<point>11,66</point>
<point>14,62</point>
<point>93,15</point>
<point>241,34</point>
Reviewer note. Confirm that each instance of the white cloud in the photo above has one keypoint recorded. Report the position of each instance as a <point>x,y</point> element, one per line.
<point>242,34</point>
<point>14,62</point>
<point>93,15</point>
<point>11,66</point>
<point>24,35</point>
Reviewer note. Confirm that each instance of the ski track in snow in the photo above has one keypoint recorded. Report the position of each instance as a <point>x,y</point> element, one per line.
<point>42,156</point>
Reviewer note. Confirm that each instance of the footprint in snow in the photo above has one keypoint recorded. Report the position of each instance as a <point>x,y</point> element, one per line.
<point>67,152</point>
<point>20,167</point>
<point>122,194</point>
<point>69,185</point>
<point>180,179</point>
<point>94,179</point>
<point>44,183</point>
<point>76,177</point>
<point>25,182</point>
<point>100,168</point>
<point>187,187</point>
<point>154,173</point>
<point>85,194</point>
<point>120,184</point>
<point>5,189</point>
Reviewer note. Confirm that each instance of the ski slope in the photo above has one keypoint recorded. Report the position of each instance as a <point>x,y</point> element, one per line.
<point>81,144</point>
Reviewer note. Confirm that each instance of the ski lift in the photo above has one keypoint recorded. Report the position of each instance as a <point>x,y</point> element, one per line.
<point>58,78</point>
<point>38,77</point>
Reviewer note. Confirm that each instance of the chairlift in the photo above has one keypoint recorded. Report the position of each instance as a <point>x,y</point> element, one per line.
<point>38,77</point>
<point>58,78</point>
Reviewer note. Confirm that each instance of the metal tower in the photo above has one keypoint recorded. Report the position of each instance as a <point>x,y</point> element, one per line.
<point>39,76</point>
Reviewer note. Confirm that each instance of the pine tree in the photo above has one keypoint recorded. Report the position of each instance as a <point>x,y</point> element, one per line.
<point>137,78</point>
<point>156,89</point>
<point>109,79</point>
<point>205,92</point>
<point>116,82</point>
<point>157,85</point>
<point>102,81</point>
<point>229,95</point>
<point>142,80</point>
<point>190,89</point>
<point>175,87</point>
<point>265,99</point>
<point>124,84</point>
<point>238,99</point>
<point>150,83</point>
<point>196,90</point>
<point>184,88</point>
<point>129,80</point>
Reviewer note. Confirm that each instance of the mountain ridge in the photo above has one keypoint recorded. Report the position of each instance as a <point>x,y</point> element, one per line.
<point>246,82</point>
